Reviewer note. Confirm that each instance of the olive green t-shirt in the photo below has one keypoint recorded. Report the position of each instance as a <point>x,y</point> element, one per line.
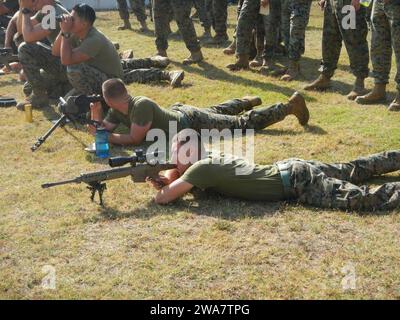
<point>102,53</point>
<point>53,32</point>
<point>141,111</point>
<point>235,177</point>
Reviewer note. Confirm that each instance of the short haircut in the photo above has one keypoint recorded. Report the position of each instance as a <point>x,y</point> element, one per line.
<point>85,12</point>
<point>114,89</point>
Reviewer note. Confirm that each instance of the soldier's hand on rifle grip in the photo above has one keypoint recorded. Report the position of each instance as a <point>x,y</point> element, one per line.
<point>322,4</point>
<point>264,3</point>
<point>157,183</point>
<point>96,111</point>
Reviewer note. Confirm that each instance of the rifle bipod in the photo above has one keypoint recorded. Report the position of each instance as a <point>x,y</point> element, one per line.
<point>97,187</point>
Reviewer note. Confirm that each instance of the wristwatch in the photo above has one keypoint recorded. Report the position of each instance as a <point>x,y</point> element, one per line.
<point>26,11</point>
<point>66,35</point>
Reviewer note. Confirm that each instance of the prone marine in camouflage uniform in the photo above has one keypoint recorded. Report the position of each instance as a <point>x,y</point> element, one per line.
<point>138,8</point>
<point>385,40</point>
<point>311,183</point>
<point>35,56</point>
<point>140,114</point>
<point>219,16</point>
<point>295,17</point>
<point>355,41</point>
<point>92,60</point>
<point>181,10</point>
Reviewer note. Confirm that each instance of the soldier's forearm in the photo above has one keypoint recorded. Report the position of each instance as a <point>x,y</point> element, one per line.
<point>10,32</point>
<point>121,139</point>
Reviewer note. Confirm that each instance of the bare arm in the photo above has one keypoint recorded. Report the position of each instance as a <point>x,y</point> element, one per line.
<point>10,32</point>
<point>136,135</point>
<point>56,48</point>
<point>173,191</point>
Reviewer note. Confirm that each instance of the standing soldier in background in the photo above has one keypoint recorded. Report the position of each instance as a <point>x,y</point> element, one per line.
<point>385,39</point>
<point>219,16</point>
<point>355,40</point>
<point>295,17</point>
<point>138,8</point>
<point>181,10</point>
<point>203,16</point>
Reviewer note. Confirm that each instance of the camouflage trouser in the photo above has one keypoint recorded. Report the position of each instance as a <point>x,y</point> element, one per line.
<point>219,15</point>
<point>36,56</point>
<point>246,24</point>
<point>295,17</point>
<point>138,8</point>
<point>88,80</point>
<point>272,26</point>
<point>228,115</point>
<point>181,9</point>
<point>385,36</point>
<point>136,63</point>
<point>335,185</point>
<point>200,6</point>
<point>355,40</point>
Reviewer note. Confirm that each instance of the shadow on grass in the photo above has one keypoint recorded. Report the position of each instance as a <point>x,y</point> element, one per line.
<point>212,72</point>
<point>313,129</point>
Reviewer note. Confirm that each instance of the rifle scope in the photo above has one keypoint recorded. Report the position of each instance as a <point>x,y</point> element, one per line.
<point>137,157</point>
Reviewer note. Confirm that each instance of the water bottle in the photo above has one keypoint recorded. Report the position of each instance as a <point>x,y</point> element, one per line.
<point>102,147</point>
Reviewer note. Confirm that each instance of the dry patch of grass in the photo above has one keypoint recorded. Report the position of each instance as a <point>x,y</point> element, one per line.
<point>199,248</point>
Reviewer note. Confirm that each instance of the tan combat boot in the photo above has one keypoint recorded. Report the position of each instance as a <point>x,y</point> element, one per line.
<point>195,57</point>
<point>358,89</point>
<point>231,49</point>
<point>160,62</point>
<point>38,99</point>
<point>292,72</point>
<point>320,84</point>
<point>176,78</point>
<point>297,107</point>
<point>242,62</point>
<point>395,105</point>
<point>143,26</point>
<point>257,61</point>
<point>253,101</point>
<point>378,94</point>
<point>126,26</point>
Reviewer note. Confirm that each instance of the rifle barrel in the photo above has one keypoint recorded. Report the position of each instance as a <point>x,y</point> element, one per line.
<point>53,184</point>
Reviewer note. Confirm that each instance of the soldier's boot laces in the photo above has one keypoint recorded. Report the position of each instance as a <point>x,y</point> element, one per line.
<point>292,72</point>
<point>143,26</point>
<point>253,101</point>
<point>176,78</point>
<point>231,49</point>
<point>242,62</point>
<point>218,39</point>
<point>37,99</point>
<point>378,94</point>
<point>160,61</point>
<point>195,57</point>
<point>257,61</point>
<point>322,83</point>
<point>395,105</point>
<point>358,89</point>
<point>297,107</point>
<point>126,26</point>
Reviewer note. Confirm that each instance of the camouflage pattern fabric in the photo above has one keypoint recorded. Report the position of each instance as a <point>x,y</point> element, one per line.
<point>201,8</point>
<point>228,116</point>
<point>86,79</point>
<point>182,10</point>
<point>272,26</point>
<point>219,15</point>
<point>385,36</point>
<point>138,8</point>
<point>246,23</point>
<point>295,17</point>
<point>138,63</point>
<point>145,75</point>
<point>335,185</point>
<point>355,40</point>
<point>36,56</point>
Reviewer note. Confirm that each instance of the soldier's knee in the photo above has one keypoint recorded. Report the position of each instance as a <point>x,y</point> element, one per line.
<point>25,49</point>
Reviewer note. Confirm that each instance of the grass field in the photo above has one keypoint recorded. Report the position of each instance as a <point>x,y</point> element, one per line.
<point>210,247</point>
